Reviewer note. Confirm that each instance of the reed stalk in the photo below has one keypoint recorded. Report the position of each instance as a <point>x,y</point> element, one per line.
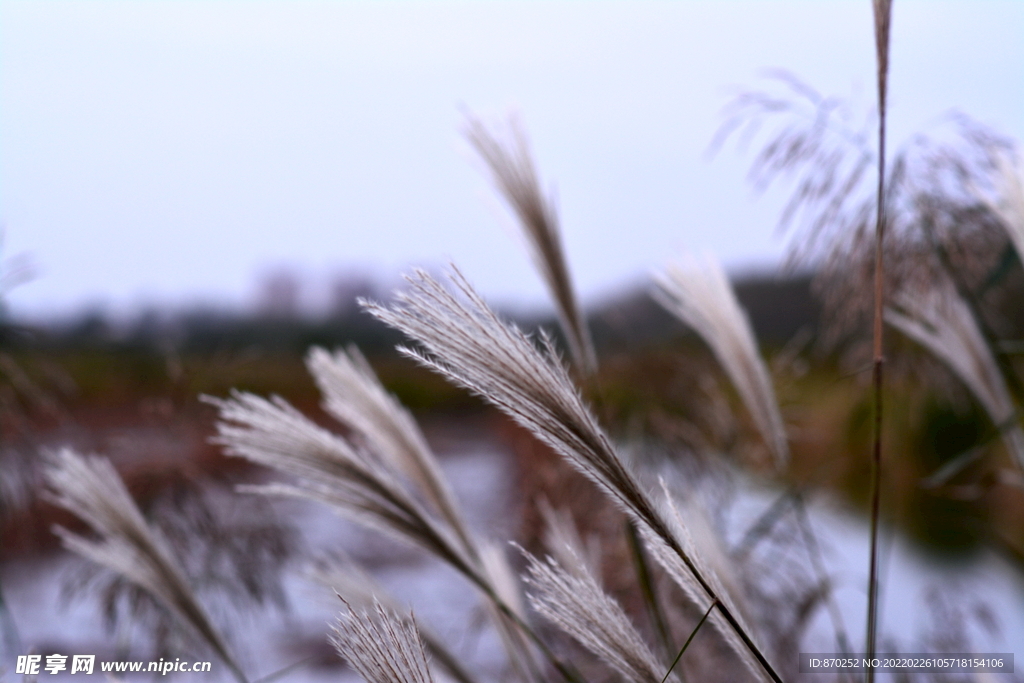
<point>689,640</point>
<point>883,17</point>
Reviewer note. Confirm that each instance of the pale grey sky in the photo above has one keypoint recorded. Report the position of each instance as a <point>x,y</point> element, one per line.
<point>169,152</point>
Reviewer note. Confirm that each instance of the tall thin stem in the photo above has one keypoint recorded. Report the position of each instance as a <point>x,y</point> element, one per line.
<point>693,633</point>
<point>882,15</point>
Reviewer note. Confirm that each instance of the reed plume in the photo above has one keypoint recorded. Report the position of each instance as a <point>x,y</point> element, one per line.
<point>328,469</point>
<point>515,175</point>
<point>90,488</point>
<point>941,321</point>
<point>1009,205</point>
<point>355,397</point>
<point>381,646</point>
<point>369,482</point>
<point>359,590</point>
<point>464,340</point>
<point>817,143</point>
<point>698,293</point>
<point>573,601</point>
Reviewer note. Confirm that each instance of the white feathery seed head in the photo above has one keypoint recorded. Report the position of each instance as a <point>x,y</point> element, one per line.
<point>515,176</point>
<point>698,292</point>
<point>464,340</point>
<point>1009,202</point>
<point>940,320</point>
<point>575,603</point>
<point>355,397</point>
<point>381,646</point>
<point>359,590</point>
<point>468,343</point>
<point>91,488</point>
<point>328,469</point>
<point>367,485</point>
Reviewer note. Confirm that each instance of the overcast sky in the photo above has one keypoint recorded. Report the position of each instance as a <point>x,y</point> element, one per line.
<point>173,152</point>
